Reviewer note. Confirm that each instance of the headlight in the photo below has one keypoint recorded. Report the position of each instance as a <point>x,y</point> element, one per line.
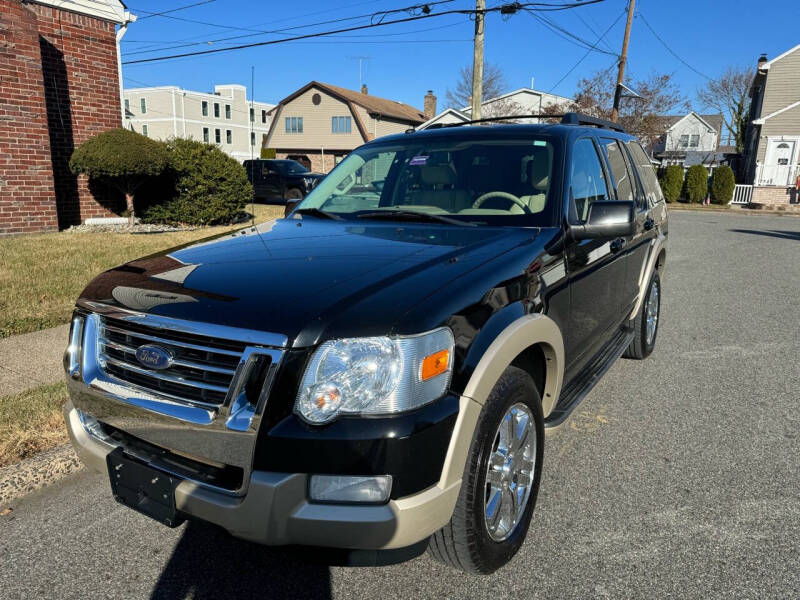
<point>375,375</point>
<point>309,181</point>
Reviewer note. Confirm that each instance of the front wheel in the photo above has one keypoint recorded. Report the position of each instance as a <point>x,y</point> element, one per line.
<point>293,194</point>
<point>501,480</point>
<point>645,325</point>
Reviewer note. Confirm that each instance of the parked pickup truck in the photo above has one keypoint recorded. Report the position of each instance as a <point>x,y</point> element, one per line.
<point>280,180</point>
<point>376,372</point>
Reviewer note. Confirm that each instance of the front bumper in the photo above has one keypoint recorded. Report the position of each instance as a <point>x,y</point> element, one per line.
<point>275,509</point>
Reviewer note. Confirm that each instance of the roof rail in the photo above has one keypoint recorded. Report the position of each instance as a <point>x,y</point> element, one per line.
<point>574,118</point>
<point>487,120</point>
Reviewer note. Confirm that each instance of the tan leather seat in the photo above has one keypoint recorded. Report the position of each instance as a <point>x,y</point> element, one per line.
<point>538,176</point>
<point>438,183</point>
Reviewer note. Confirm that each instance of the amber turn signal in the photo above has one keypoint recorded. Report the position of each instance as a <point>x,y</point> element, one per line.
<point>435,364</point>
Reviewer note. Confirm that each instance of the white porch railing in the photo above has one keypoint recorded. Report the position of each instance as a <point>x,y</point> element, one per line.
<point>777,175</point>
<point>742,194</point>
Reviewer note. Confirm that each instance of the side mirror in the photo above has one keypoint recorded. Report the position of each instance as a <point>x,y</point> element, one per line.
<point>289,207</point>
<point>607,220</point>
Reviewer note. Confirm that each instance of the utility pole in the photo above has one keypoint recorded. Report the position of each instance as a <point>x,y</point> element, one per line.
<point>622,58</point>
<point>477,59</point>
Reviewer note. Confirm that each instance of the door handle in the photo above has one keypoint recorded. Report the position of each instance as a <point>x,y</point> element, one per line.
<point>649,223</point>
<point>618,244</point>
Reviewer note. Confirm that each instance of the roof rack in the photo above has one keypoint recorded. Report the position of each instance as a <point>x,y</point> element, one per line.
<point>574,118</point>
<point>487,120</point>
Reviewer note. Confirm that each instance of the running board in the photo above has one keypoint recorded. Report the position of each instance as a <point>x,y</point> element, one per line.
<point>577,389</point>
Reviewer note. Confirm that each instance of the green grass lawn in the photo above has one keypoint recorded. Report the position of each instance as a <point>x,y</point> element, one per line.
<point>41,276</point>
<point>31,422</point>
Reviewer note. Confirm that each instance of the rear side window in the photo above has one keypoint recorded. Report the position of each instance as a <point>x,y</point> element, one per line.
<point>587,180</point>
<point>619,169</point>
<point>646,173</point>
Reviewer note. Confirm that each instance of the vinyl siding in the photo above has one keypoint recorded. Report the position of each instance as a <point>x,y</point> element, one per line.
<point>316,124</point>
<point>786,123</point>
<point>380,127</point>
<point>690,126</point>
<point>783,84</point>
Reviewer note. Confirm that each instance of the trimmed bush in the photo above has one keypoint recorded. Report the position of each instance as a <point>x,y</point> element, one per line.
<point>122,159</point>
<point>696,184</point>
<point>722,185</point>
<point>671,181</point>
<point>210,187</point>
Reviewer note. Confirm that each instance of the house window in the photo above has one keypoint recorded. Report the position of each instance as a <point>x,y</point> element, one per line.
<point>218,136</point>
<point>127,105</point>
<point>263,116</point>
<point>144,130</point>
<point>228,136</point>
<point>684,141</point>
<point>694,141</point>
<point>216,109</point>
<point>143,104</point>
<point>227,111</point>
<point>341,124</point>
<point>204,108</point>
<point>252,114</point>
<point>294,124</point>
<point>205,134</point>
<point>252,138</point>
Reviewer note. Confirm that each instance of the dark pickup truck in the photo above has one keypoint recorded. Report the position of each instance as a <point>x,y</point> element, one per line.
<point>280,180</point>
<point>376,372</point>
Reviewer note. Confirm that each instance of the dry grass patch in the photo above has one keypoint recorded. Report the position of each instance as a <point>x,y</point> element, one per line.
<point>42,275</point>
<point>31,422</point>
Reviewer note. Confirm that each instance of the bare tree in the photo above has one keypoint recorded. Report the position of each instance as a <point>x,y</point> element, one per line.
<point>494,84</point>
<point>660,95</point>
<point>730,95</point>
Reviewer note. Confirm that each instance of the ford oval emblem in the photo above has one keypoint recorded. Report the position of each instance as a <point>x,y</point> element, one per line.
<point>154,357</point>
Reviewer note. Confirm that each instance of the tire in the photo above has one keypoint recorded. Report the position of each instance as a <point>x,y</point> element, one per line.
<point>466,543</point>
<point>640,347</point>
<point>294,194</point>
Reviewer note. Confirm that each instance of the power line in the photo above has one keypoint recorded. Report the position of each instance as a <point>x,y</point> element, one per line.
<point>671,51</point>
<point>582,58</point>
<point>568,35</point>
<point>504,8</point>
<point>172,10</point>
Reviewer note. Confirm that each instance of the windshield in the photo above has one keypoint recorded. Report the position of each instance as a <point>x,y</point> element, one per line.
<point>290,167</point>
<point>499,182</point>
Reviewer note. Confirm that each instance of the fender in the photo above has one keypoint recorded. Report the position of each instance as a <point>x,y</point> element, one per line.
<point>647,270</point>
<point>516,337</point>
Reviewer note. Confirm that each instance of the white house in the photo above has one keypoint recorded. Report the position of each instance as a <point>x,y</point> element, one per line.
<point>225,118</point>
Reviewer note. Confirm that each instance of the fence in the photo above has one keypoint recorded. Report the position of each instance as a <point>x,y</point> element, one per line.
<point>742,194</point>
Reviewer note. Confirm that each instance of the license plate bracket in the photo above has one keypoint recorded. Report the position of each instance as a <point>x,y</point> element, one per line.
<point>143,488</point>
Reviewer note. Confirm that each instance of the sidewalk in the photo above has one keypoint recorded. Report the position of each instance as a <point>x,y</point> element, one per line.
<point>32,359</point>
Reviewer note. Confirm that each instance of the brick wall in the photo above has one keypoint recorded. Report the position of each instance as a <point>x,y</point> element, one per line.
<point>774,195</point>
<point>315,157</point>
<point>58,86</point>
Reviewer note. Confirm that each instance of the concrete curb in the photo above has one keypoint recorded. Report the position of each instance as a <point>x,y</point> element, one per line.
<point>34,473</point>
<point>32,359</point>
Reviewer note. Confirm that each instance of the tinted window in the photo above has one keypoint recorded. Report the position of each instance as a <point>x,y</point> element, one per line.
<point>587,181</point>
<point>646,173</point>
<point>619,169</point>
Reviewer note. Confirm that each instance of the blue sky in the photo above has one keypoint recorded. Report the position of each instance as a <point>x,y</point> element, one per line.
<point>407,59</point>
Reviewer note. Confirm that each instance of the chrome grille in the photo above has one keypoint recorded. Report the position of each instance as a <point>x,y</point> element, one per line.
<point>202,368</point>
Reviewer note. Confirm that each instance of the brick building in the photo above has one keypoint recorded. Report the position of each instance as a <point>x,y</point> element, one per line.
<point>59,85</point>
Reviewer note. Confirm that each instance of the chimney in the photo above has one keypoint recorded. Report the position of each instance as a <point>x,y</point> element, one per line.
<point>762,59</point>
<point>430,105</point>
<point>364,88</point>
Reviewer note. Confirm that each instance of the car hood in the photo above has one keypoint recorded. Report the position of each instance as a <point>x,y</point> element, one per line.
<point>308,279</point>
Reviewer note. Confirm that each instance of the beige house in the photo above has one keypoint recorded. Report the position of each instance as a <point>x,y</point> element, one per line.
<point>320,124</point>
<point>772,144</point>
<point>225,118</point>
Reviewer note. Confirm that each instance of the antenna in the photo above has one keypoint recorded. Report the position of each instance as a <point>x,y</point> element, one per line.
<point>361,60</point>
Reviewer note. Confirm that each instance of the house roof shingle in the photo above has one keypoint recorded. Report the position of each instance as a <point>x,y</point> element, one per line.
<point>374,104</point>
<point>714,120</point>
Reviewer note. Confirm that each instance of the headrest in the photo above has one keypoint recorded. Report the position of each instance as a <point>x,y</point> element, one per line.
<point>539,172</point>
<point>438,175</point>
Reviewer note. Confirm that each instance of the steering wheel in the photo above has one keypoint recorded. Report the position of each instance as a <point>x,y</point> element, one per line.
<point>497,194</point>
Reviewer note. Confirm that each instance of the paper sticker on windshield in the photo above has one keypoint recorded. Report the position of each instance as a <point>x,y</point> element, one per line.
<point>539,143</point>
<point>418,160</point>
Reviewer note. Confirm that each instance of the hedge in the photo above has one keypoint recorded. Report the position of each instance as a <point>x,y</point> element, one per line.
<point>671,181</point>
<point>696,184</point>
<point>723,183</point>
<point>208,186</point>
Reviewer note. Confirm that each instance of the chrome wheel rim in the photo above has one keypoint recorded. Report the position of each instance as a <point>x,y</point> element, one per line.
<point>651,314</point>
<point>509,474</point>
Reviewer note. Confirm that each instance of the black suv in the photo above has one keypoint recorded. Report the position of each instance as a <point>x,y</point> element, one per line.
<point>376,372</point>
<point>280,180</point>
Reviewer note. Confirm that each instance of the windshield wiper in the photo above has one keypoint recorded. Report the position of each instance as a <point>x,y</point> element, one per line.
<point>315,212</point>
<point>410,215</point>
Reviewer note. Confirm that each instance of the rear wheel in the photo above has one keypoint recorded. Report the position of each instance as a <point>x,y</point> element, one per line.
<point>501,480</point>
<point>294,194</point>
<point>645,325</point>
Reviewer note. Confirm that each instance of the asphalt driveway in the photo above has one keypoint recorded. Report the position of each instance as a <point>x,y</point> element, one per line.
<point>678,477</point>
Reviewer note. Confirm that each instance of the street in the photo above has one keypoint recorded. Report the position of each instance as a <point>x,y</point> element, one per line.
<point>678,476</point>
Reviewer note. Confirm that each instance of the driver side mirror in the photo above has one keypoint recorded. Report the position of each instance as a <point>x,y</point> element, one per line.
<point>289,207</point>
<point>607,220</point>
